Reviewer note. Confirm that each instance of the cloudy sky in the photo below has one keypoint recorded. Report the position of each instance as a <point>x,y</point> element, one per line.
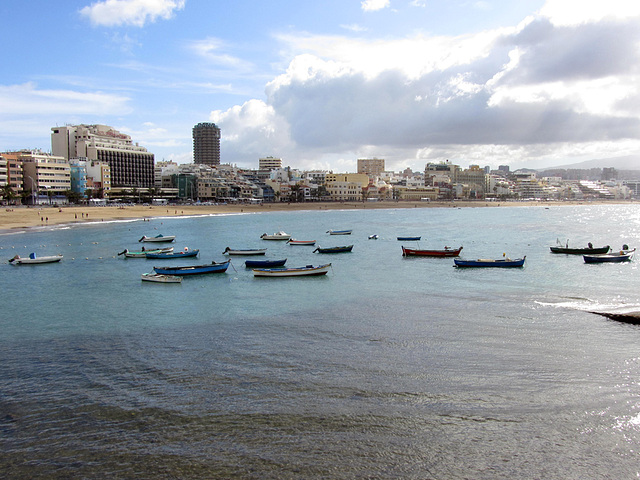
<point>527,83</point>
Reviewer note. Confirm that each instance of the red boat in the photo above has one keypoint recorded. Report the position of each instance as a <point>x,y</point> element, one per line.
<point>446,252</point>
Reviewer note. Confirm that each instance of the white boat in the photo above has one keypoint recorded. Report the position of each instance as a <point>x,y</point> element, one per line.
<point>339,232</point>
<point>158,238</point>
<point>309,270</point>
<point>293,241</point>
<point>33,259</point>
<point>159,278</point>
<point>143,253</point>
<point>233,251</point>
<point>276,236</point>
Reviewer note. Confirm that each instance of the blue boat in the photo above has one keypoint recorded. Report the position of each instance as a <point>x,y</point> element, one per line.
<point>167,255</point>
<point>488,263</point>
<point>213,267</point>
<point>265,263</point>
<point>409,239</point>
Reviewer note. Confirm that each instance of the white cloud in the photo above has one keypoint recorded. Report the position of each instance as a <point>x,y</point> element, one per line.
<point>114,13</point>
<point>373,5</point>
<point>575,12</point>
<point>27,99</point>
<point>210,49</point>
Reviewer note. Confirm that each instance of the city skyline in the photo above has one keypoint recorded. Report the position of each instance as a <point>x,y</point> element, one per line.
<point>532,84</point>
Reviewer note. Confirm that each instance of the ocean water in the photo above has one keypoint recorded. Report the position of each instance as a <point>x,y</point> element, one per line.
<point>388,367</point>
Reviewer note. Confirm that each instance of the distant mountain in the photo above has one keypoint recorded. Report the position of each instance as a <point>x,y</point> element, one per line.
<point>630,162</point>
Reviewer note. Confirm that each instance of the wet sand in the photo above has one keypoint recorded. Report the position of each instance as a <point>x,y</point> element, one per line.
<point>21,217</point>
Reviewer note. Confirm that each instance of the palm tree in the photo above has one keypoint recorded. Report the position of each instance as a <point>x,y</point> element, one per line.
<point>7,193</point>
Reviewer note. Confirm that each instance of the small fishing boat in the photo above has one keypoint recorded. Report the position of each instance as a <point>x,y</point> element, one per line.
<point>232,251</point>
<point>339,232</point>
<point>158,238</point>
<point>276,236</point>
<point>33,259</point>
<point>624,255</point>
<point>167,255</point>
<point>293,241</point>
<point>588,250</point>
<point>213,267</point>
<point>309,270</point>
<point>373,237</point>
<point>265,263</point>
<point>500,263</point>
<point>409,239</point>
<point>143,253</point>
<point>159,278</point>
<point>343,249</point>
<point>445,252</point>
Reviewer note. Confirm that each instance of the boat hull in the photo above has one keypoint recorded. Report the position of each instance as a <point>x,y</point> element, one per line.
<point>618,257</point>
<point>193,269</point>
<point>260,251</point>
<point>276,236</point>
<point>292,272</point>
<point>344,249</point>
<point>17,260</point>
<point>446,252</point>
<point>301,242</point>
<point>409,239</point>
<point>501,263</point>
<point>143,253</point>
<point>159,278</point>
<point>158,239</point>
<point>340,232</point>
<point>265,263</point>
<point>580,251</point>
<point>169,255</point>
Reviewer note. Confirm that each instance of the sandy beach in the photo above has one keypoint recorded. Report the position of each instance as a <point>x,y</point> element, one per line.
<point>20,217</point>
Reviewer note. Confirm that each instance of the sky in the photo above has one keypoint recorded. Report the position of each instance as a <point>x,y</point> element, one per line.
<point>524,83</point>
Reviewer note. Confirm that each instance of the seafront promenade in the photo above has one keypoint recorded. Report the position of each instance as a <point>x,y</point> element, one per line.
<point>17,217</point>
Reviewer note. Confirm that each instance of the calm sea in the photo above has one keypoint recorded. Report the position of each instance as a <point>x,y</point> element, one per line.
<point>388,367</point>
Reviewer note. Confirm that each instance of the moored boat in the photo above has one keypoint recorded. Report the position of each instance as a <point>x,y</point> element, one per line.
<point>339,232</point>
<point>373,237</point>
<point>33,259</point>
<point>500,263</point>
<point>159,278</point>
<point>624,255</point>
<point>588,250</point>
<point>158,238</point>
<point>276,236</point>
<point>309,270</point>
<point>342,249</point>
<point>409,239</point>
<point>265,263</point>
<point>445,252</point>
<point>232,251</point>
<point>293,241</point>
<point>143,253</point>
<point>213,267</point>
<point>168,255</point>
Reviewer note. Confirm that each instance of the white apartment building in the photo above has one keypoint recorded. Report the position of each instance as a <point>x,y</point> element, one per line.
<point>46,175</point>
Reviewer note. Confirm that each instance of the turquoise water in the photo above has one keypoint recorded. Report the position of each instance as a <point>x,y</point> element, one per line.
<point>388,367</point>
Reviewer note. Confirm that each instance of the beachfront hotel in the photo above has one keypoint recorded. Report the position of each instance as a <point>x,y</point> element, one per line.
<point>206,144</point>
<point>131,166</point>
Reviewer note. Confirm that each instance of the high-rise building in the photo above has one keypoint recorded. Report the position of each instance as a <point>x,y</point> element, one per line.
<point>206,144</point>
<point>131,165</point>
<point>371,166</point>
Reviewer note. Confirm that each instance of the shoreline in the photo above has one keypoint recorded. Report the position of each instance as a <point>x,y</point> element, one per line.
<point>27,217</point>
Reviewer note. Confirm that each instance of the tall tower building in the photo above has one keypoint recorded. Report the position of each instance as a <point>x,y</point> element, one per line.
<point>130,164</point>
<point>206,144</point>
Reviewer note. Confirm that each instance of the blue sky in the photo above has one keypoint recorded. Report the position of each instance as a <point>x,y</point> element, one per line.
<point>528,83</point>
